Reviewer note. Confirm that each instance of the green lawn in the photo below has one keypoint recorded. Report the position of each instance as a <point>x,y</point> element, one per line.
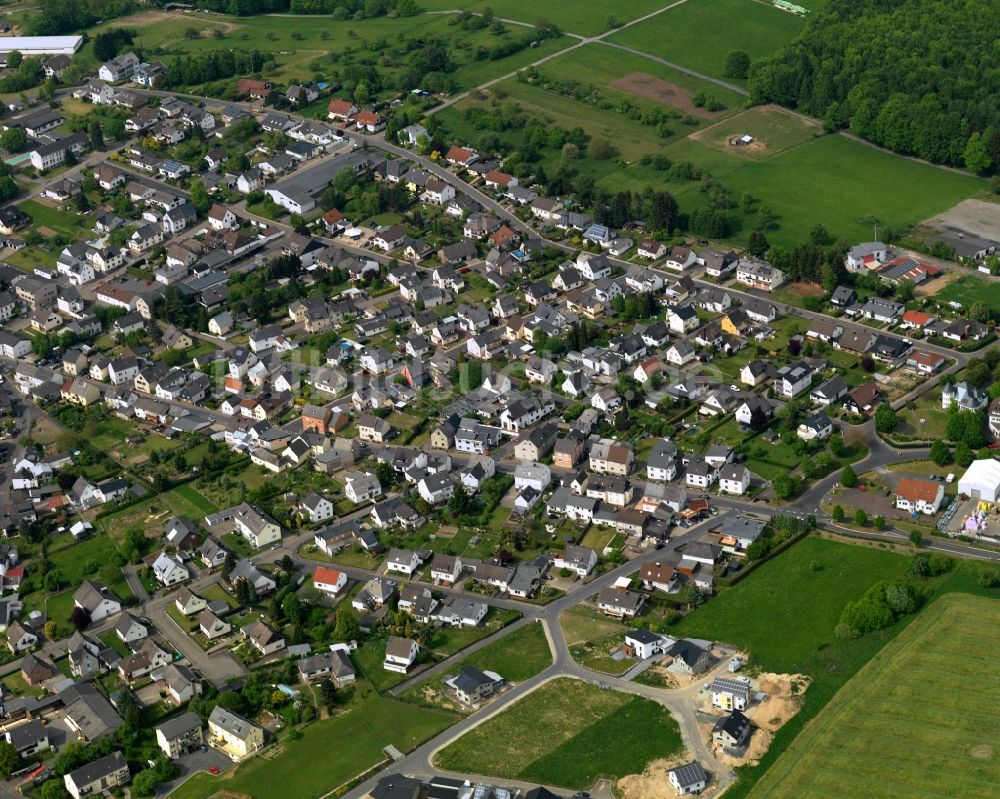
<point>700,34</point>
<point>915,691</point>
<point>328,754</point>
<point>784,614</point>
<point>580,623</point>
<point>186,500</point>
<point>92,559</point>
<point>969,289</point>
<point>67,223</point>
<point>559,735</point>
<point>446,641</point>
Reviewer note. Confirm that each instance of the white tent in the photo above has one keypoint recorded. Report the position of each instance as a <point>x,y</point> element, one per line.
<point>981,480</point>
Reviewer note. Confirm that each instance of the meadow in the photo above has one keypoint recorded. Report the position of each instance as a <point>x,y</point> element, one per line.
<point>807,184</point>
<point>700,34</point>
<point>307,48</point>
<point>933,709</point>
<point>585,19</point>
<point>559,733</point>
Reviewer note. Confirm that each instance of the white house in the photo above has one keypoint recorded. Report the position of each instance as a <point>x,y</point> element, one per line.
<point>734,479</point>
<point>919,496</point>
<point>400,654</point>
<point>170,570</point>
<point>328,580</point>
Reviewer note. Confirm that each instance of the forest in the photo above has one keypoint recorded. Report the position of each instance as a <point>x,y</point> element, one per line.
<point>920,77</point>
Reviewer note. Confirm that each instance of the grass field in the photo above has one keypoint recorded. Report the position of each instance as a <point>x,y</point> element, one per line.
<point>316,47</point>
<point>774,131</point>
<point>806,185</point>
<point>67,223</point>
<point>587,19</point>
<point>802,179</point>
<point>515,657</point>
<point>600,65</point>
<point>188,501</point>
<point>699,35</point>
<point>559,735</point>
<point>969,289</point>
<point>345,745</point>
<point>916,721</point>
<point>787,636</point>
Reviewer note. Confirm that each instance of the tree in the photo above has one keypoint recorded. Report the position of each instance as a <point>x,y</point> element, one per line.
<point>879,523</point>
<point>329,693</point>
<point>246,596</point>
<point>939,452</point>
<point>899,596</point>
<point>963,454</point>
<point>837,514</point>
<point>14,140</point>
<point>757,244</point>
<point>54,789</point>
<point>885,418</point>
<point>915,538</point>
<point>737,65</point>
<point>80,618</point>
<point>976,155</point>
<point>200,198</point>
<point>848,477</point>
<point>979,311</point>
<point>860,517</point>
<point>10,760</point>
<point>347,627</point>
<point>14,59</point>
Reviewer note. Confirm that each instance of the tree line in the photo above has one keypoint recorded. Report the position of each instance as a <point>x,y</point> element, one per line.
<point>916,76</point>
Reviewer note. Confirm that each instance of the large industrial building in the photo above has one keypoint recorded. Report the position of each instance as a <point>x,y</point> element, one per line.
<point>38,45</point>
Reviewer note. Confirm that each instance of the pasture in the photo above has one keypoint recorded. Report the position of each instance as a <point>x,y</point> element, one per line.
<point>559,734</point>
<point>915,721</point>
<point>699,34</point>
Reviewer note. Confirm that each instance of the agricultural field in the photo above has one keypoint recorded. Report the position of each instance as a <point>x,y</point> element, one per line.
<point>559,733</point>
<point>699,35</point>
<point>360,729</point>
<point>914,691</point>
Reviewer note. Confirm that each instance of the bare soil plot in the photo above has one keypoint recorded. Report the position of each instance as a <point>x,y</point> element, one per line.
<point>661,91</point>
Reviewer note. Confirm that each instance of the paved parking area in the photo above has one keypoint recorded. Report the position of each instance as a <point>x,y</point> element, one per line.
<point>193,763</point>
